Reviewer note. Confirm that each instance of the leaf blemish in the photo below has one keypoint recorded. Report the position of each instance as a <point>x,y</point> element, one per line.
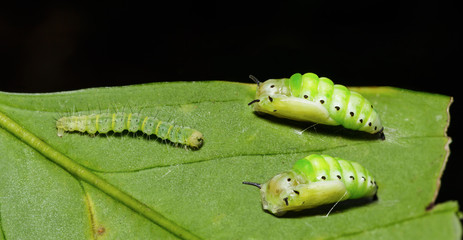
<point>101,231</point>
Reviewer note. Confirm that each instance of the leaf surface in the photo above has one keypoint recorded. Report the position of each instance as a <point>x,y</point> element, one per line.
<point>202,190</point>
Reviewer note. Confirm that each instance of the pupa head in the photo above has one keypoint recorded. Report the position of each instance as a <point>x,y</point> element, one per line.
<point>278,194</point>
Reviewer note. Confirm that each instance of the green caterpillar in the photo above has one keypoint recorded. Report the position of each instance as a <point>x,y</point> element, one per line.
<point>315,180</point>
<point>310,98</point>
<point>133,122</point>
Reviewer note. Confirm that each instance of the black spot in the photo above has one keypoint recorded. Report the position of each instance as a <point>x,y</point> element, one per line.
<point>322,101</point>
<point>351,114</point>
<point>305,96</point>
<point>339,176</point>
<point>371,106</point>
<point>337,108</point>
<point>364,179</point>
<point>297,192</point>
<point>274,110</point>
<point>376,127</point>
<point>352,177</point>
<point>361,120</point>
<point>286,200</point>
<point>289,179</point>
<point>369,124</point>
<point>270,98</point>
<point>323,178</point>
<point>272,86</point>
<point>371,182</point>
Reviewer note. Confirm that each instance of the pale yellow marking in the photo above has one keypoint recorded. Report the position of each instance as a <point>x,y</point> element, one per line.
<point>129,118</point>
<point>143,124</point>
<point>312,195</point>
<point>113,122</point>
<point>296,109</point>
<point>157,128</point>
<point>170,128</point>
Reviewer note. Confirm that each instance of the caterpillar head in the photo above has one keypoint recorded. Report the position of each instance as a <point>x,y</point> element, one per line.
<point>279,194</point>
<point>266,90</point>
<point>195,140</point>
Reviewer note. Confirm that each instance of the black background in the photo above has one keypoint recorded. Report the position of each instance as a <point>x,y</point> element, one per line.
<point>56,46</point>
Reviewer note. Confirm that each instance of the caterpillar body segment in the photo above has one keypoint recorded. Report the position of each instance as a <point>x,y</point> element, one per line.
<point>132,122</point>
<point>310,98</point>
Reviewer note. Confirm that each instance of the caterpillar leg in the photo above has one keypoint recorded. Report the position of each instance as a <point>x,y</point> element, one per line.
<point>381,134</point>
<point>60,132</point>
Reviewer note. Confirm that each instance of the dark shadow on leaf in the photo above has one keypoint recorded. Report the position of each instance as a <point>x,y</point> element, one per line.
<point>320,128</point>
<point>138,134</point>
<point>338,209</point>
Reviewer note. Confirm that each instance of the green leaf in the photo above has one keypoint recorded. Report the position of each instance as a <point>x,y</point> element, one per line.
<point>200,192</point>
